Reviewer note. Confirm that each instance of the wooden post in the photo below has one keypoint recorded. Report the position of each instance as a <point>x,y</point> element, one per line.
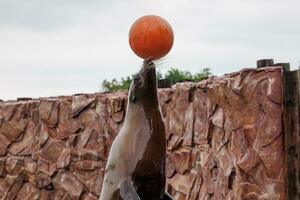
<point>24,99</point>
<point>291,133</point>
<point>286,66</point>
<point>264,63</point>
<point>270,63</point>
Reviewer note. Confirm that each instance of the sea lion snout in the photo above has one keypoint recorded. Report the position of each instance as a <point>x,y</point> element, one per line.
<point>148,73</point>
<point>144,84</point>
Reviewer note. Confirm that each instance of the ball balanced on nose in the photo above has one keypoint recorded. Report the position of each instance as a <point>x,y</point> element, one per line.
<point>151,37</point>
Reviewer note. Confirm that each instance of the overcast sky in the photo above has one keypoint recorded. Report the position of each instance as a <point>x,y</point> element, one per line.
<point>62,47</point>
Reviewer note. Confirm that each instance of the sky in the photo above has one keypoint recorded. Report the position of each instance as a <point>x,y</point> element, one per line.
<point>55,47</point>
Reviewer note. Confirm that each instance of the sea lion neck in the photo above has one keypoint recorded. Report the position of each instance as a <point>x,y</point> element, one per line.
<point>147,108</point>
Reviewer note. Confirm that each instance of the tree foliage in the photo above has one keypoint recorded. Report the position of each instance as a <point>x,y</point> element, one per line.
<point>174,75</point>
<point>116,85</point>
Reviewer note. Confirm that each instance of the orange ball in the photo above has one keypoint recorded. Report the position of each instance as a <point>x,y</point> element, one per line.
<point>151,37</point>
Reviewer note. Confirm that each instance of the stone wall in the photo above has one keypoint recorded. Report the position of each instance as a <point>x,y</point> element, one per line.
<point>225,140</point>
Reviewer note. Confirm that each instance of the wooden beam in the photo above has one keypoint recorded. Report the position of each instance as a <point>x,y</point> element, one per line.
<point>291,133</point>
<point>286,66</point>
<point>264,63</point>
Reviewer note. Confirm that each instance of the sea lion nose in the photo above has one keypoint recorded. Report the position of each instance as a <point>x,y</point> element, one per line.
<point>148,63</point>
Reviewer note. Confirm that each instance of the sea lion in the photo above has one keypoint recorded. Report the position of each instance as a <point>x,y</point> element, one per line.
<point>136,164</point>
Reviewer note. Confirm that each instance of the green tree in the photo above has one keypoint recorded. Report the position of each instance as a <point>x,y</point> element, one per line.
<point>115,85</point>
<point>203,74</point>
<point>174,75</point>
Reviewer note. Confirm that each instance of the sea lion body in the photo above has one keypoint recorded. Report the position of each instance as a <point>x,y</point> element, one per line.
<point>136,165</point>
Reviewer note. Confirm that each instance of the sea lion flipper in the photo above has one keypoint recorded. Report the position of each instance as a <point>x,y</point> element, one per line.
<point>127,191</point>
<point>167,196</point>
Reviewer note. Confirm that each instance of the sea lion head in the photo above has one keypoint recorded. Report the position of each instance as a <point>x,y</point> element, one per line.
<point>143,88</point>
